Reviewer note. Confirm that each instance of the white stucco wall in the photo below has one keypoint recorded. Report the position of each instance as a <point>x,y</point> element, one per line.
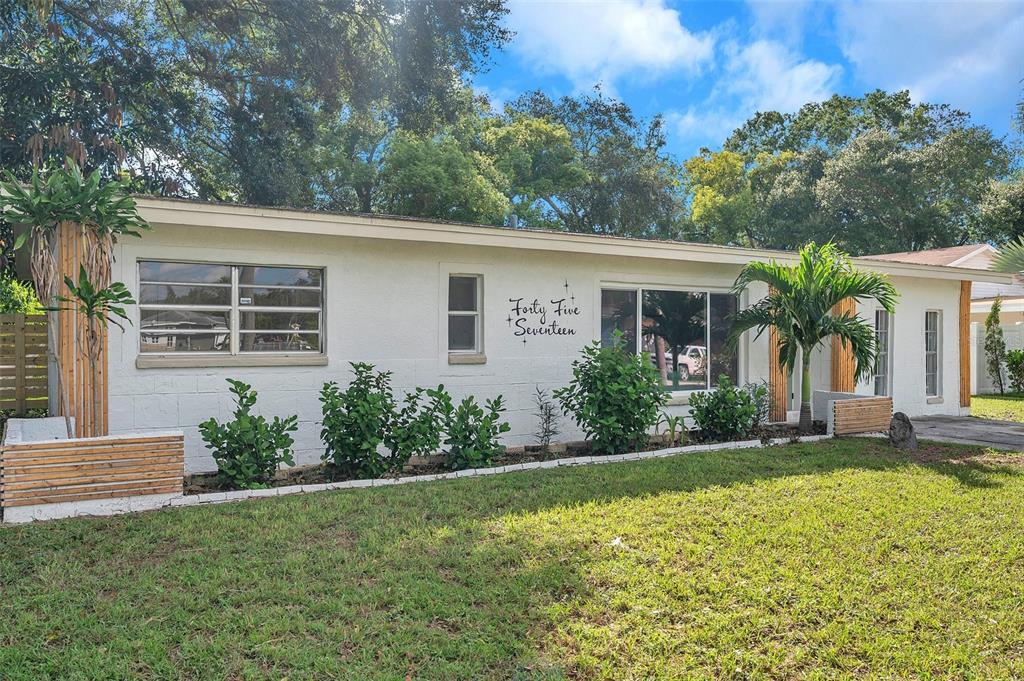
<point>907,328</point>
<point>386,303</point>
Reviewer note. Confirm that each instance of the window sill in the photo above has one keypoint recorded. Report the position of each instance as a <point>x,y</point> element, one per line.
<point>935,400</point>
<point>208,361</point>
<point>456,358</point>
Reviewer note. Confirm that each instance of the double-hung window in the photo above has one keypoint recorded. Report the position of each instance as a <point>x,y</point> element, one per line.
<point>465,319</point>
<point>190,307</point>
<point>932,353</point>
<point>883,367</point>
<point>683,333</point>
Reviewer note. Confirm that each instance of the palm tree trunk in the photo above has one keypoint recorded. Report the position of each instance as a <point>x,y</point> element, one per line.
<point>806,422</point>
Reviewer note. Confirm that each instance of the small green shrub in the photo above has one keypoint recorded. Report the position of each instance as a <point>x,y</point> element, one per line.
<point>675,429</point>
<point>249,449</point>
<point>416,428</point>
<point>355,423</point>
<point>1015,369</point>
<point>16,297</point>
<point>547,419</point>
<point>614,397</point>
<point>762,402</point>
<point>726,413</point>
<point>472,432</point>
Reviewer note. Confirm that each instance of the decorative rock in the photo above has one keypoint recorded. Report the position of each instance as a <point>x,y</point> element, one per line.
<point>901,432</point>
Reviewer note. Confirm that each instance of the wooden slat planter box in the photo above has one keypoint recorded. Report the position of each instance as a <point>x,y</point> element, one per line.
<point>861,415</point>
<point>90,469</point>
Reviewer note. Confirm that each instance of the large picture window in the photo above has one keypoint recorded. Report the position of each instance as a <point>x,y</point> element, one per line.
<point>229,309</point>
<point>683,333</point>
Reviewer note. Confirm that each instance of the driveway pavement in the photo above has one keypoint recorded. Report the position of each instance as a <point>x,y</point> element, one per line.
<point>970,430</point>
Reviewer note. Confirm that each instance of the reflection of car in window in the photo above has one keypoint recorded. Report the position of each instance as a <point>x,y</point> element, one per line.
<point>692,361</point>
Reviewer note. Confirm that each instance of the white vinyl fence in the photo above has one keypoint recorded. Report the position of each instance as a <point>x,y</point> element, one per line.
<point>981,382</point>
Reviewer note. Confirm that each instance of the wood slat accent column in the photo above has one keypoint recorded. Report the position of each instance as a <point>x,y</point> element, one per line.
<point>72,349</point>
<point>842,356</point>
<point>965,344</point>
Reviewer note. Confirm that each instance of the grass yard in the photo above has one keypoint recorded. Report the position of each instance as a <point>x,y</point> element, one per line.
<point>839,559</point>
<point>1002,407</point>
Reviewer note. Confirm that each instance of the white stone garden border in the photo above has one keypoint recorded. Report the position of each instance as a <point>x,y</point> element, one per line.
<point>151,503</point>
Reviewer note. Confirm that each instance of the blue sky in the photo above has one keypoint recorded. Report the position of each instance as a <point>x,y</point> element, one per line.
<point>707,67</point>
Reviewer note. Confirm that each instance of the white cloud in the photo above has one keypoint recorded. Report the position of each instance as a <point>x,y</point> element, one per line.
<point>787,20</point>
<point>968,54</point>
<point>767,75</point>
<point>762,76</point>
<point>590,42</point>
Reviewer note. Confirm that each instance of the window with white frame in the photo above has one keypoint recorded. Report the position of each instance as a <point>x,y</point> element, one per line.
<point>465,318</point>
<point>932,353</point>
<point>684,333</point>
<point>883,355</point>
<point>193,307</point>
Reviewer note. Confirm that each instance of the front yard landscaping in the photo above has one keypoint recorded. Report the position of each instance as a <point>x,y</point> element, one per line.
<point>841,558</point>
<point>1009,407</point>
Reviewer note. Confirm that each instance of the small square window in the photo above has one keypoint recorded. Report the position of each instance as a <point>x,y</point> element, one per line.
<point>464,313</point>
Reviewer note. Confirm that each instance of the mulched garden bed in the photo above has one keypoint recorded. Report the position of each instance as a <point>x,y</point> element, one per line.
<point>201,483</point>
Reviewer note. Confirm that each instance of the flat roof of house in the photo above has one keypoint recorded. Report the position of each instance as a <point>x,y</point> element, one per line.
<point>190,212</point>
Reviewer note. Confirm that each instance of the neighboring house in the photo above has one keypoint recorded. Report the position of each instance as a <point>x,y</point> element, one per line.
<point>977,256</point>
<point>285,299</point>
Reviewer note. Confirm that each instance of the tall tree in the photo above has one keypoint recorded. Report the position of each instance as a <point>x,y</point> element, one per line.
<point>225,96</point>
<point>632,187</point>
<point>875,173</point>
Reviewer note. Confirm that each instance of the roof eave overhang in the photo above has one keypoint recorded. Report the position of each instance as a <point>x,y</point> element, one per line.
<point>196,214</point>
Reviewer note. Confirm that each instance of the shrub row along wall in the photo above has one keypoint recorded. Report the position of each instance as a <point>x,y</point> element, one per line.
<point>90,468</point>
<point>862,415</point>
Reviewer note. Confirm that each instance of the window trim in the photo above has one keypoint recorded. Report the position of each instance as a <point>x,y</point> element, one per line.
<point>938,353</point>
<point>235,356</point>
<point>676,396</point>
<point>478,328</point>
<point>889,346</point>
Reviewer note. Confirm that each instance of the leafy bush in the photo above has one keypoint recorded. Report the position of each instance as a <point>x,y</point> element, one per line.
<point>415,429</point>
<point>356,422</point>
<point>726,413</point>
<point>1015,368</point>
<point>16,297</point>
<point>762,401</point>
<point>249,449</point>
<point>614,397</point>
<point>472,431</point>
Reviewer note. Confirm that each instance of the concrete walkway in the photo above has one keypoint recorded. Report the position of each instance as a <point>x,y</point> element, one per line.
<point>970,430</point>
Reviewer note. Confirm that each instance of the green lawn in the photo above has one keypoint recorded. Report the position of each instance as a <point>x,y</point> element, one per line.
<point>840,559</point>
<point>1002,407</point>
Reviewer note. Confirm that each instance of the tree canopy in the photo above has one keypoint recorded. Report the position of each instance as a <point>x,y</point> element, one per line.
<point>875,173</point>
<point>367,106</point>
<point>223,98</point>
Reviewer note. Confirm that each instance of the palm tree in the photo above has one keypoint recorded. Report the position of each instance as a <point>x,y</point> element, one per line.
<point>1010,258</point>
<point>799,305</point>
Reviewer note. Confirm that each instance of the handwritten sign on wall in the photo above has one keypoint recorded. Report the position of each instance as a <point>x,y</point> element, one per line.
<point>531,317</point>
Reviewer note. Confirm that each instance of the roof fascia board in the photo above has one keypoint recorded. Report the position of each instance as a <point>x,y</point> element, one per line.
<point>174,212</point>
<point>978,251</point>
